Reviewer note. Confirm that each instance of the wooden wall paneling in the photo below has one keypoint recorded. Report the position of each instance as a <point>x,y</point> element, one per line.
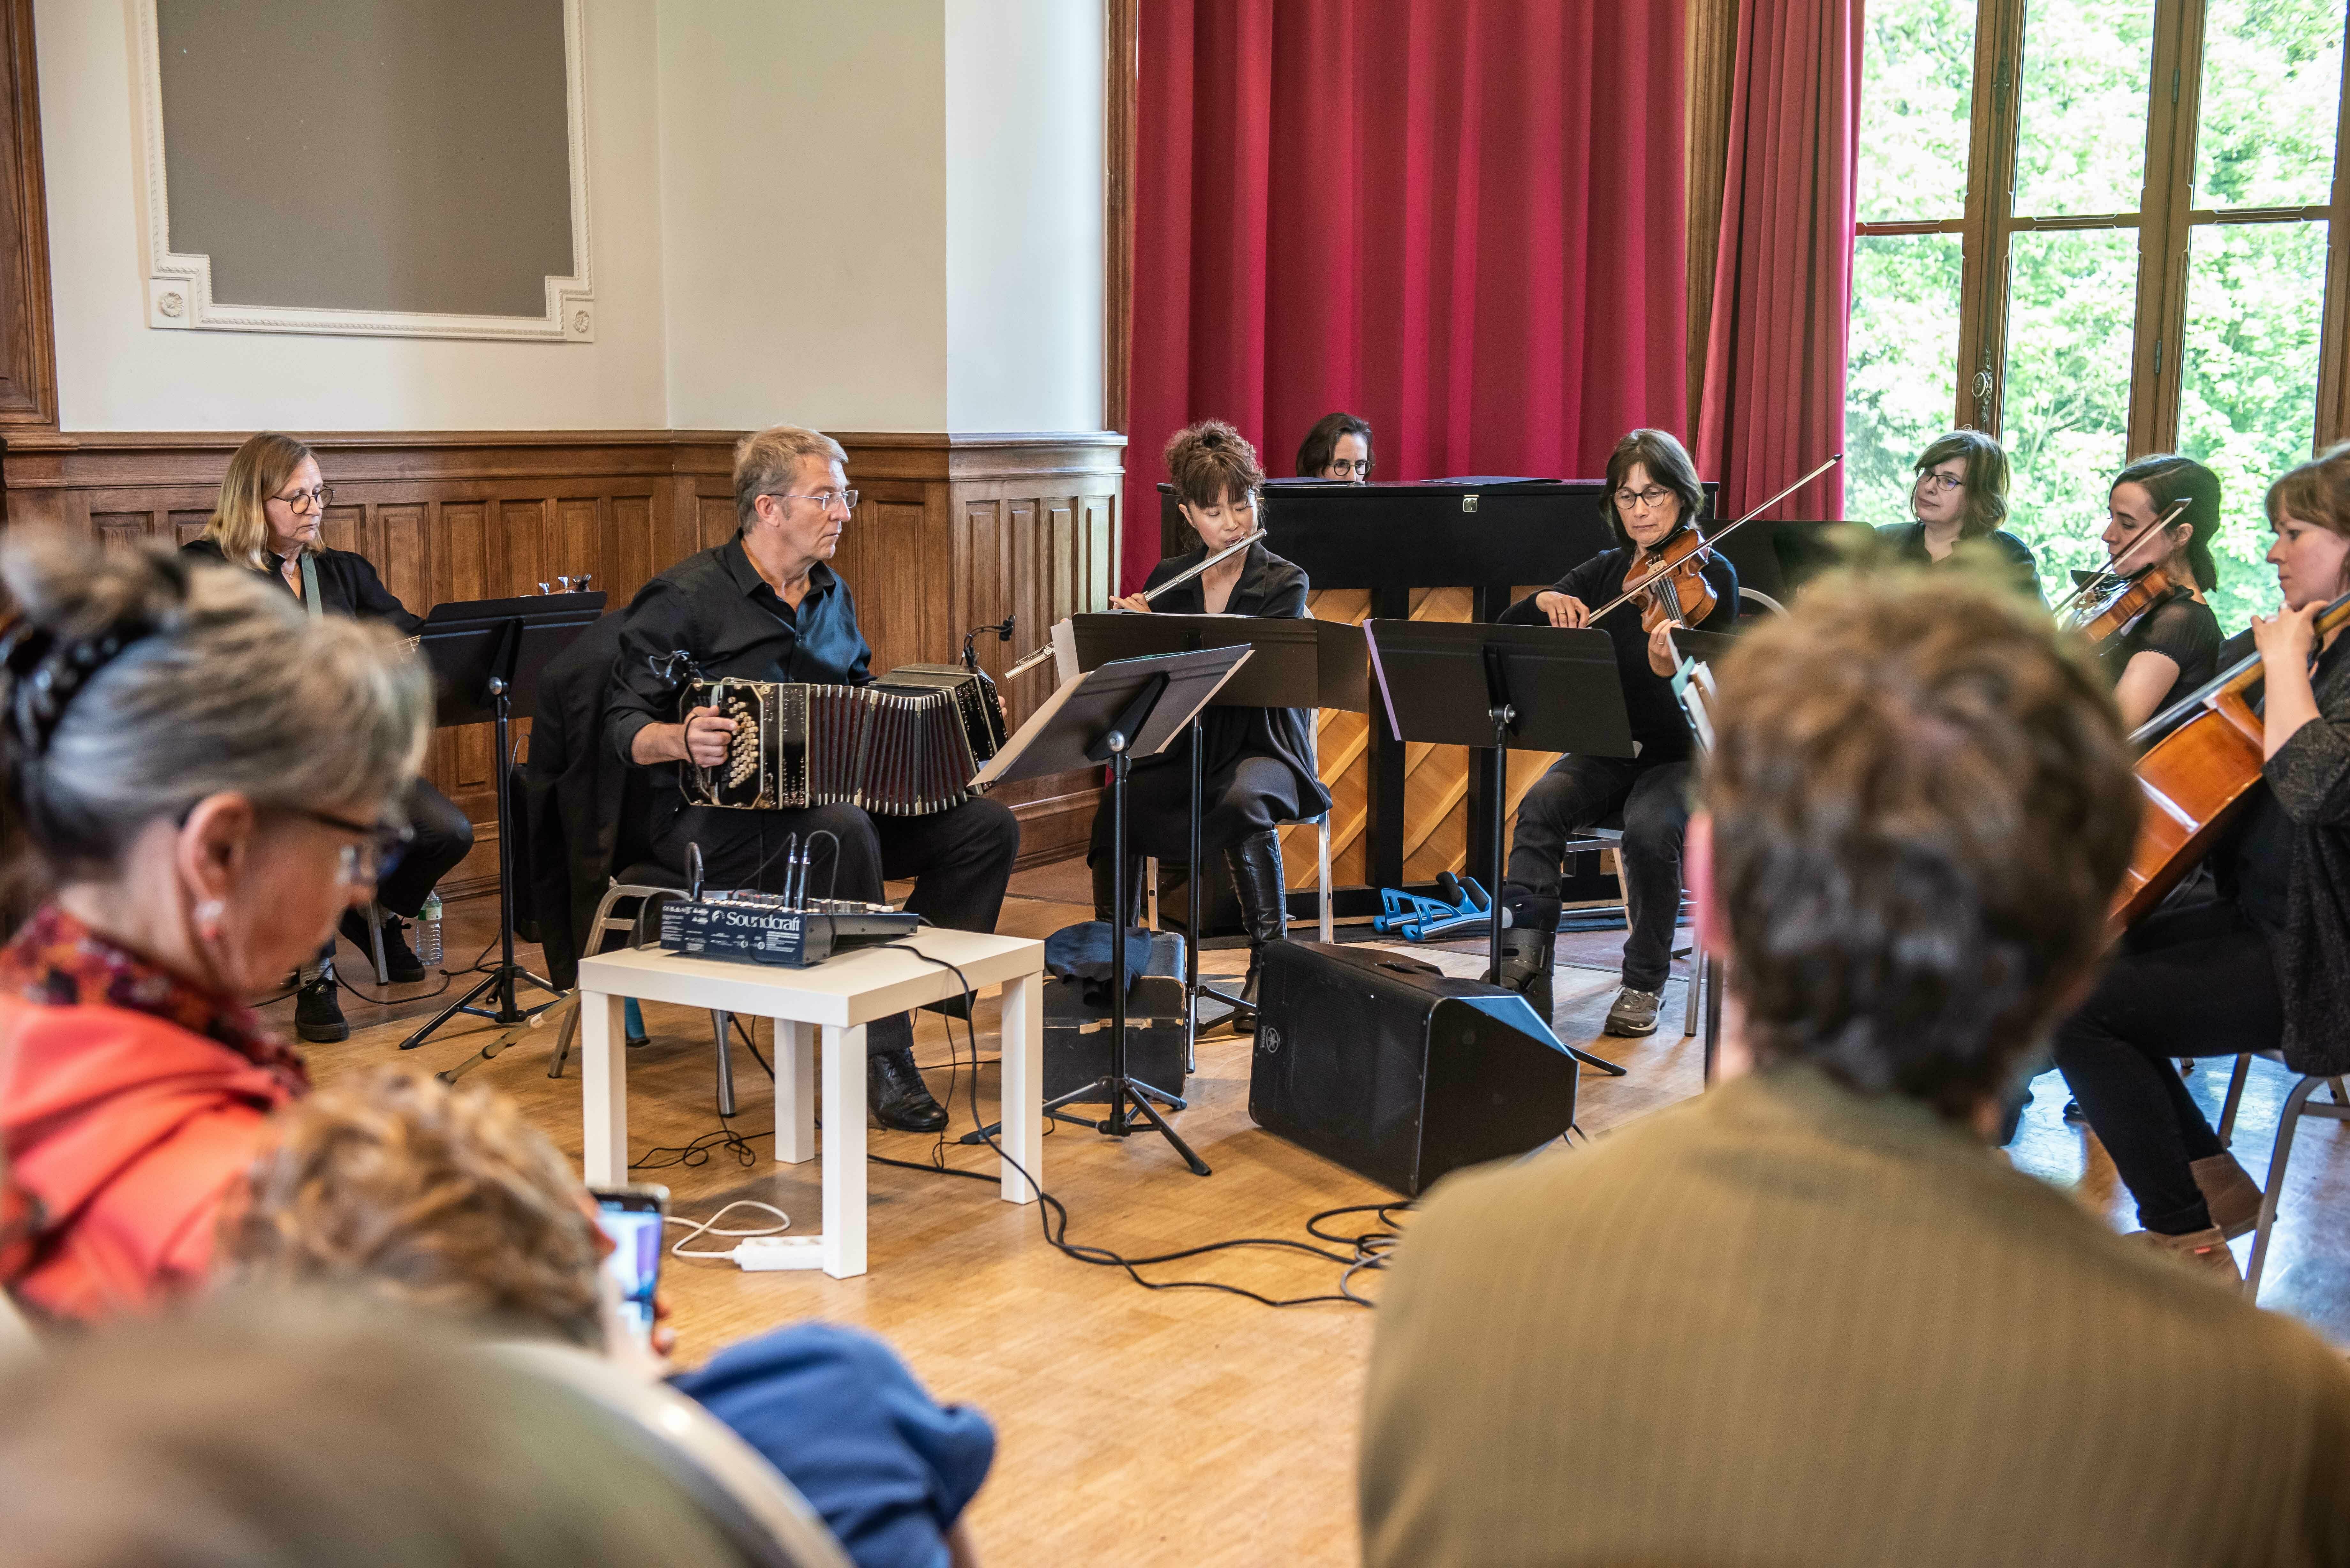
<point>28,365</point>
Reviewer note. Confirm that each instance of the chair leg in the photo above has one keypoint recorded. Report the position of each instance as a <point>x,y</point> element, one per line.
<point>2288,1121</point>
<point>375,940</point>
<point>1329,905</point>
<point>720,1024</point>
<point>563,1037</point>
<point>1150,893</point>
<point>2235,1097</point>
<point>1696,990</point>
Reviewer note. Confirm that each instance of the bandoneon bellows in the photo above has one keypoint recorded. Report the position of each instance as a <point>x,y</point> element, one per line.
<point>907,745</point>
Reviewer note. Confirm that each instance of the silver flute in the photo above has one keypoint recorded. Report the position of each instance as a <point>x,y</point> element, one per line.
<point>1178,580</point>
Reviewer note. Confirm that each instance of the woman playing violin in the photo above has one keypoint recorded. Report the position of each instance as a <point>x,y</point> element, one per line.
<point>2173,647</point>
<point>1652,493</point>
<point>2268,964</point>
<point>1257,763</point>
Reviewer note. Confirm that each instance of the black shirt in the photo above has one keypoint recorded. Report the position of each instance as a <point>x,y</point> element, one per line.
<point>1907,543</point>
<point>2182,629</point>
<point>717,607</point>
<point>346,585</point>
<point>1657,721</point>
<point>2258,874</point>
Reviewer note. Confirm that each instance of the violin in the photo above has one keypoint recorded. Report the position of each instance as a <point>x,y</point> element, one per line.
<point>2203,754</point>
<point>2107,613</point>
<point>1673,590</point>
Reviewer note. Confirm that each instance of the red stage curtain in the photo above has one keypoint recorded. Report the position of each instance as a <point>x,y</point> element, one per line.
<point>1460,219</point>
<point>1775,347</point>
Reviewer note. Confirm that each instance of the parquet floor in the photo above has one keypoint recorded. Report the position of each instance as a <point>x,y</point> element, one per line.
<point>1171,1426</point>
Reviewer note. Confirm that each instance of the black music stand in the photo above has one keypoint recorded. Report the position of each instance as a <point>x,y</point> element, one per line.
<point>1297,662</point>
<point>486,654</point>
<point>1461,685</point>
<point>1109,715</point>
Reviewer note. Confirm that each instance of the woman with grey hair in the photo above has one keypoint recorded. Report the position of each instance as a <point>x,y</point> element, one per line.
<point>197,775</point>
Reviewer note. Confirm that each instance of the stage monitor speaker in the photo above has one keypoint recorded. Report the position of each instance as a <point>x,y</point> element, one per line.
<point>1400,1074</point>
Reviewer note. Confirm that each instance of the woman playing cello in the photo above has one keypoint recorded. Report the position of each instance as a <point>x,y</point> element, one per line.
<point>2266,965</point>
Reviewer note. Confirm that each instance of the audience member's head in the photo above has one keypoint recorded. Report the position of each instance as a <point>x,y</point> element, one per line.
<point>1921,803</point>
<point>291,1433</point>
<point>2309,510</point>
<point>1337,447</point>
<point>397,1186</point>
<point>195,766</point>
<point>1963,475</point>
<point>2146,491</point>
<point>271,501</point>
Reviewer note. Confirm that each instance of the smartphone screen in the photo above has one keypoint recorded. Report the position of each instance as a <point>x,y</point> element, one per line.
<point>631,1217</point>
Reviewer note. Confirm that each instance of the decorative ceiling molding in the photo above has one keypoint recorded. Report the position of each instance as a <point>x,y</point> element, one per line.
<point>180,286</point>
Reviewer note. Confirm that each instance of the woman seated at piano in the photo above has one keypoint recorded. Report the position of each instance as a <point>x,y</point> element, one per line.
<point>268,519</point>
<point>2268,964</point>
<point>1257,763</point>
<point>1956,507</point>
<point>2173,647</point>
<point>1337,447</point>
<point>1652,491</point>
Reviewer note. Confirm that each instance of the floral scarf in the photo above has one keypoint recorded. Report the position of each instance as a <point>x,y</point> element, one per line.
<point>58,962</point>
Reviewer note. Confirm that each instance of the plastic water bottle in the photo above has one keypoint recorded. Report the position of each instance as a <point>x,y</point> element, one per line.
<point>428,932</point>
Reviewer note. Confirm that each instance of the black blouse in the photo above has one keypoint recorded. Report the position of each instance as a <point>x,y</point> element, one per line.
<point>346,585</point>
<point>1269,585</point>
<point>1999,548</point>
<point>2182,629</point>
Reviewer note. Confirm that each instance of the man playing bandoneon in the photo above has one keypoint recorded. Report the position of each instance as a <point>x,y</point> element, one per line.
<point>764,607</point>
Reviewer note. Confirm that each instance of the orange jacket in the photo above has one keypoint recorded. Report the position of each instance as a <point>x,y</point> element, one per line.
<point>128,1130</point>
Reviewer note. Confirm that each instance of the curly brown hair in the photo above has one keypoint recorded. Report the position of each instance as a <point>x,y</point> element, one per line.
<point>399,1187</point>
<point>1210,461</point>
<point>1922,801</point>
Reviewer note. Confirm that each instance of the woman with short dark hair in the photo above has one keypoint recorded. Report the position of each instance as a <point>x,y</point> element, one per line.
<point>272,504</point>
<point>1652,491</point>
<point>1257,763</point>
<point>2172,648</point>
<point>1337,447</point>
<point>2267,966</point>
<point>1957,508</point>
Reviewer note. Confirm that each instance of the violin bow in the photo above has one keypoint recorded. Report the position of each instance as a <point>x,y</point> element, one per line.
<point>1709,540</point>
<point>1178,580</point>
<point>2113,568</point>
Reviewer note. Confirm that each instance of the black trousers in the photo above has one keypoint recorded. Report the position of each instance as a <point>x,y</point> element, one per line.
<point>442,838</point>
<point>960,861</point>
<point>1255,794</point>
<point>1579,790</point>
<point>2198,981</point>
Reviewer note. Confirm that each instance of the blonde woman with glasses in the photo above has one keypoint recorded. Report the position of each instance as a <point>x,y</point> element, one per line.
<point>271,506</point>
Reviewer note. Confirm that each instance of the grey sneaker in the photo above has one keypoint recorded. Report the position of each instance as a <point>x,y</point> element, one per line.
<point>1635,1011</point>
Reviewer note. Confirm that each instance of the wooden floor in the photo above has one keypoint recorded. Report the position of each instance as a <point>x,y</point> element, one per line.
<point>1176,1425</point>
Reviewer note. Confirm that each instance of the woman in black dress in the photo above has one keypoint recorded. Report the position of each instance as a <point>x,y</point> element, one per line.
<point>271,502</point>
<point>2266,966</point>
<point>1257,765</point>
<point>2173,647</point>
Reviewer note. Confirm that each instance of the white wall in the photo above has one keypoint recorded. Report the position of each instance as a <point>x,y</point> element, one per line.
<point>1024,160</point>
<point>804,219</point>
<point>114,372</point>
<point>857,215</point>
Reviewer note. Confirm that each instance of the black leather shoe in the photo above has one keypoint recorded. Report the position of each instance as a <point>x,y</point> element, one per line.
<point>900,1100</point>
<point>1527,966</point>
<point>317,1015</point>
<point>1256,866</point>
<point>399,960</point>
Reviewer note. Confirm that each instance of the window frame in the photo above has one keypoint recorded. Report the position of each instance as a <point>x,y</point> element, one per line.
<point>2165,221</point>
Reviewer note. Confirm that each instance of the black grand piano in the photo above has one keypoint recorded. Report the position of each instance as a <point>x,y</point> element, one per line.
<point>1490,535</point>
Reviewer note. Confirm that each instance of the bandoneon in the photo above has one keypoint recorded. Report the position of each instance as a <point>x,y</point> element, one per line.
<point>907,745</point>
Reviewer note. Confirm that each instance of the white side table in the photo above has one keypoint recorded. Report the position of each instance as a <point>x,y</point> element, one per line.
<point>840,996</point>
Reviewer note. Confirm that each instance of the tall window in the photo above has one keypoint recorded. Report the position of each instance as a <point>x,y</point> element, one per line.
<point>2097,229</point>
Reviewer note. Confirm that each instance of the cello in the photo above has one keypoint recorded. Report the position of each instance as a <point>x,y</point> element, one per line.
<point>2202,755</point>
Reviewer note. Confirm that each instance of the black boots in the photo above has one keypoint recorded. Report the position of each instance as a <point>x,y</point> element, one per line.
<point>1100,867</point>
<point>1255,866</point>
<point>1526,958</point>
<point>318,1013</point>
<point>399,960</point>
<point>899,1099</point>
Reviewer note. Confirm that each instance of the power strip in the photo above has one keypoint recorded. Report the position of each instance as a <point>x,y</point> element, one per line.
<point>760,1253</point>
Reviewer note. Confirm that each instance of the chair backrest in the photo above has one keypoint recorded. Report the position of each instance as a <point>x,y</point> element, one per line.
<point>1693,689</point>
<point>762,1514</point>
